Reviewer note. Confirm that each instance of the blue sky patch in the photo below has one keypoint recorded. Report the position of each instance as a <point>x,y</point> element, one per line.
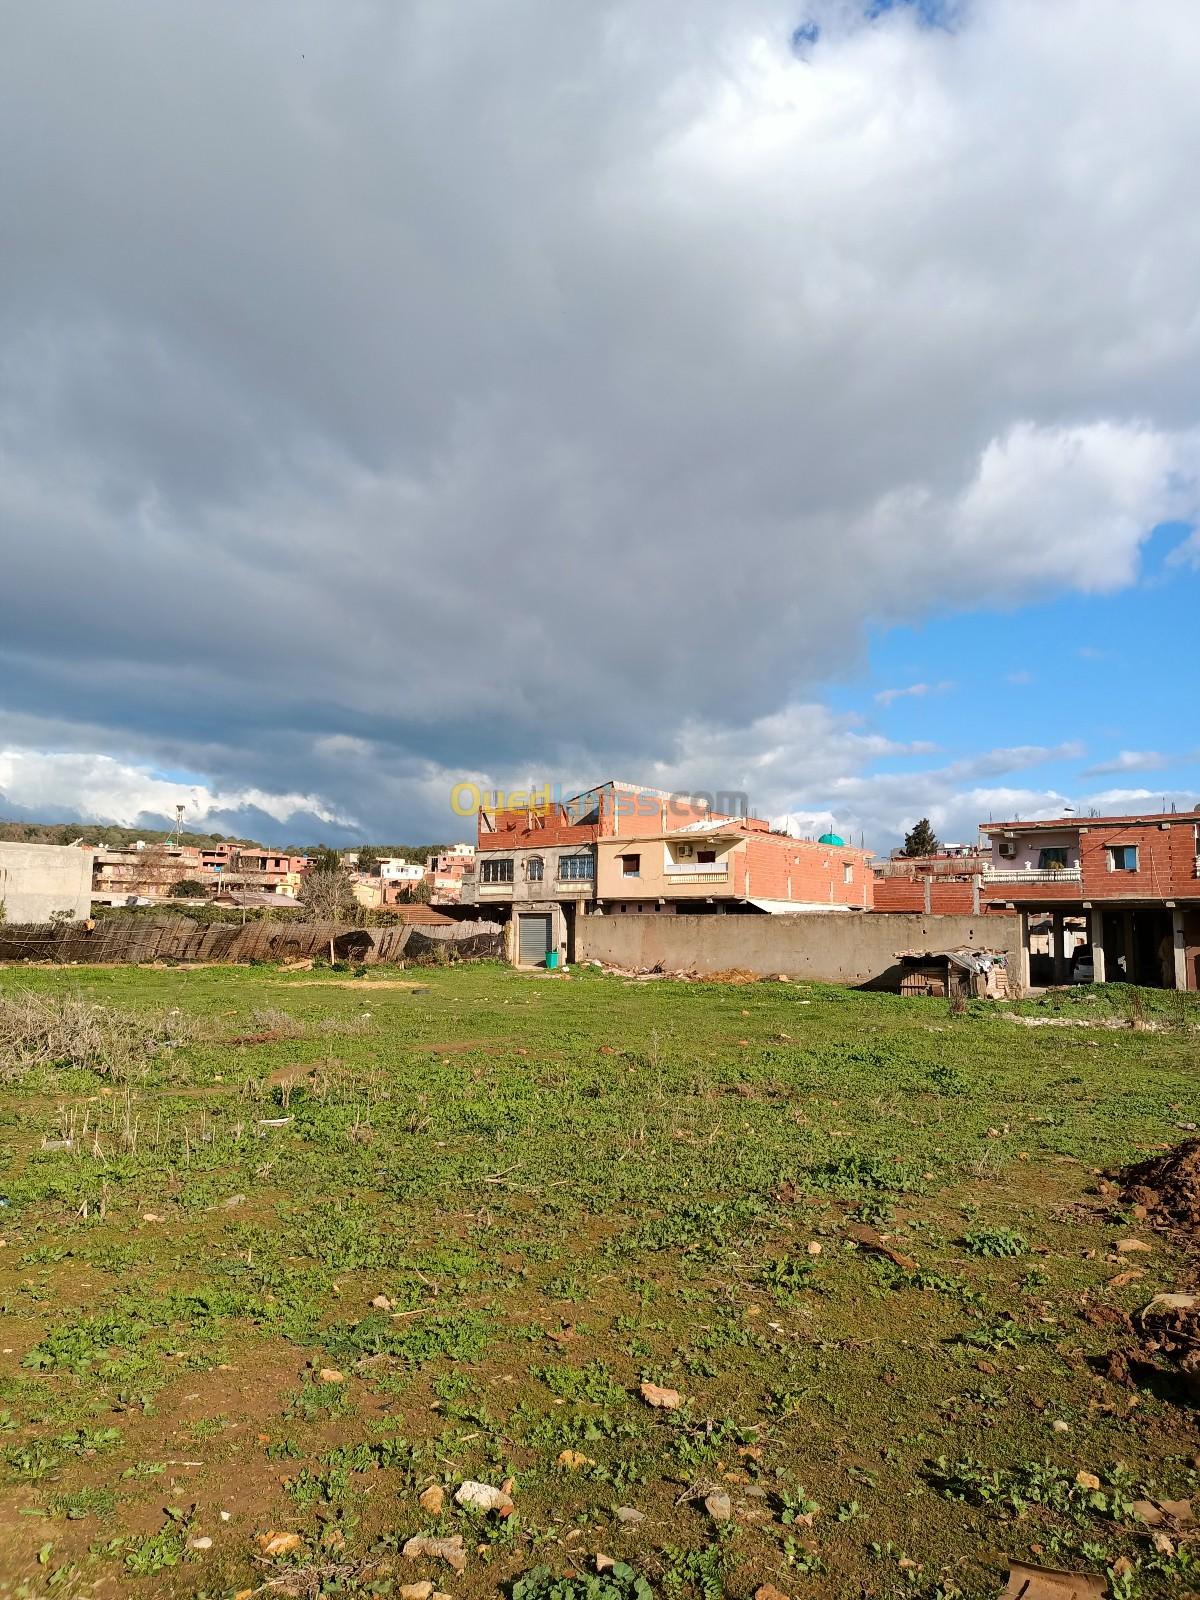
<point>930,13</point>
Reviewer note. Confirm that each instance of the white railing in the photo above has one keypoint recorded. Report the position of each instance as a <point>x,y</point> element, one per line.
<point>701,875</point>
<point>1033,875</point>
<point>695,869</point>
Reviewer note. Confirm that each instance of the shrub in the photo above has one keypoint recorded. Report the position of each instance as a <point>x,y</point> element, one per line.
<point>620,1582</point>
<point>39,1031</point>
<point>994,1242</point>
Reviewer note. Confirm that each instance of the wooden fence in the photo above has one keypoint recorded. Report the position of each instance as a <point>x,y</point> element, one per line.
<point>114,941</point>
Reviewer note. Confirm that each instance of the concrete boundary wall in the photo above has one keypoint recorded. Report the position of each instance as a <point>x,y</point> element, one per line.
<point>115,940</point>
<point>38,880</point>
<point>829,947</point>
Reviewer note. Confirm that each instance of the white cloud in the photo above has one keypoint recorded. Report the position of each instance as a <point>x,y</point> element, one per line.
<point>806,767</point>
<point>1132,801</point>
<point>914,691</point>
<point>1132,761</point>
<point>102,789</point>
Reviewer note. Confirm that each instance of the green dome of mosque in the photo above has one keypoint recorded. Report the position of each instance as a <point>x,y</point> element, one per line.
<point>831,838</point>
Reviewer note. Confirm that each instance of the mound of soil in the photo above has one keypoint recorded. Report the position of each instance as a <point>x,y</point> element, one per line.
<point>1167,1185</point>
<point>1171,1330</point>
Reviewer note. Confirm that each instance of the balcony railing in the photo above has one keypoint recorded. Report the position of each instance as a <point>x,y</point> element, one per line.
<point>1033,875</point>
<point>696,869</point>
<point>704,874</point>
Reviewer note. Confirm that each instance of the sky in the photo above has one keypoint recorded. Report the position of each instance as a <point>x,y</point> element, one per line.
<point>800,400</point>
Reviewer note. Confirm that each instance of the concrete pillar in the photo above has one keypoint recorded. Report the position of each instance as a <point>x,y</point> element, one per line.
<point>1096,932</point>
<point>1058,947</point>
<point>975,882</point>
<point>1127,932</point>
<point>1180,943</point>
<point>1024,915</point>
<point>928,896</point>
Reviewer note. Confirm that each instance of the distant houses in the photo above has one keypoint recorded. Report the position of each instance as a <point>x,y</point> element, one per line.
<point>1098,898</point>
<point>225,872</point>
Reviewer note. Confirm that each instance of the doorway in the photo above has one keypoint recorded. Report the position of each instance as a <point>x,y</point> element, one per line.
<point>533,938</point>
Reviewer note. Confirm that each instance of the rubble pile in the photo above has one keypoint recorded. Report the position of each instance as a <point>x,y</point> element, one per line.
<point>1167,1185</point>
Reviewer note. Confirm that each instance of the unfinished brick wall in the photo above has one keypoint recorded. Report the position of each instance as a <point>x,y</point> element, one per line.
<point>1166,860</point>
<point>899,894</point>
<point>1167,849</point>
<point>780,868</point>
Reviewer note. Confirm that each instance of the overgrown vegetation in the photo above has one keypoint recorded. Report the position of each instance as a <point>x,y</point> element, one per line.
<point>40,1030</point>
<point>727,1285</point>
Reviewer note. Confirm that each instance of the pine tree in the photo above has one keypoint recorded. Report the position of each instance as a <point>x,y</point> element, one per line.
<point>920,840</point>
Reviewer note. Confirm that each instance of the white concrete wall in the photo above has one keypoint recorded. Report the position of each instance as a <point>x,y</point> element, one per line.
<point>36,880</point>
<point>853,947</point>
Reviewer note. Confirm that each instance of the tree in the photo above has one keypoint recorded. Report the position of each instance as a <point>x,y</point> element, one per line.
<point>418,893</point>
<point>368,860</point>
<point>156,871</point>
<point>327,889</point>
<point>189,889</point>
<point>323,859</point>
<point>920,840</point>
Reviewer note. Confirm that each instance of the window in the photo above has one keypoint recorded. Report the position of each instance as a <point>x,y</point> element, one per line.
<point>575,867</point>
<point>1122,858</point>
<point>1054,855</point>
<point>631,866</point>
<point>706,855</point>
<point>496,871</point>
<point>847,872</point>
<point>535,869</point>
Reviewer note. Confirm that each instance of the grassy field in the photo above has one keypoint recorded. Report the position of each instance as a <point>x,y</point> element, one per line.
<point>321,1243</point>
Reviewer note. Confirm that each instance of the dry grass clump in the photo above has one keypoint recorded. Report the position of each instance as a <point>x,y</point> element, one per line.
<point>39,1031</point>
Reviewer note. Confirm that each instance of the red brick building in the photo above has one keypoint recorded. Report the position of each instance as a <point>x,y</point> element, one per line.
<point>1135,878</point>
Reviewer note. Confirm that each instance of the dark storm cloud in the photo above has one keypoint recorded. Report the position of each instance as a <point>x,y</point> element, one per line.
<point>516,390</point>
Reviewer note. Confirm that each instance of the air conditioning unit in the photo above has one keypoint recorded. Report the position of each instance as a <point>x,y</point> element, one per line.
<point>1008,848</point>
<point>685,852</point>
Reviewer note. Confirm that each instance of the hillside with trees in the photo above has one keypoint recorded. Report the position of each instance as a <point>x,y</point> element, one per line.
<point>108,836</point>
